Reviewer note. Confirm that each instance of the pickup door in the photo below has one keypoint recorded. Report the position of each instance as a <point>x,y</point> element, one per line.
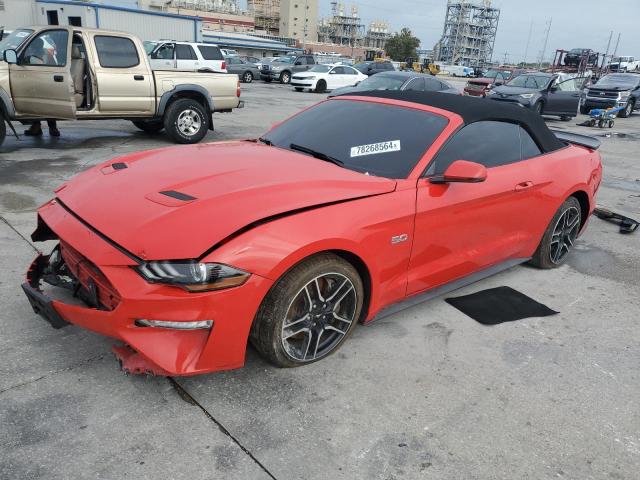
<point>41,80</point>
<point>125,81</point>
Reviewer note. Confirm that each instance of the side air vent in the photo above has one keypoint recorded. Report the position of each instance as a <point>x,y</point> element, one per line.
<point>178,195</point>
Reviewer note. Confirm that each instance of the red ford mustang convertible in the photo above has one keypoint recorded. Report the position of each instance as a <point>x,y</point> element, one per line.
<point>347,211</point>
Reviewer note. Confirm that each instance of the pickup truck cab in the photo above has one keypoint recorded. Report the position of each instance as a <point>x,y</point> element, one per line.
<point>624,64</point>
<point>283,68</point>
<point>70,73</point>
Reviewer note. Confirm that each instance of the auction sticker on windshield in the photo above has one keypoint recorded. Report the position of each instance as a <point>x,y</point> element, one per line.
<point>373,148</point>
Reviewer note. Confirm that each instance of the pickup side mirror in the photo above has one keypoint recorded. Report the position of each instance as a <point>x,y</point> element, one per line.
<point>10,56</point>
<point>462,171</point>
<point>553,88</point>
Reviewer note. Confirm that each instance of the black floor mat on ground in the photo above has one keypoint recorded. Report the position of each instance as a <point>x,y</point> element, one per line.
<point>498,305</point>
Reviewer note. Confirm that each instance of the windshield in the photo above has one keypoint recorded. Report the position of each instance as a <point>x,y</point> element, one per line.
<point>495,73</point>
<point>149,46</point>
<point>383,140</point>
<point>14,40</point>
<point>381,82</point>
<point>530,81</point>
<point>320,69</point>
<point>618,80</point>
<point>284,59</point>
<point>621,59</point>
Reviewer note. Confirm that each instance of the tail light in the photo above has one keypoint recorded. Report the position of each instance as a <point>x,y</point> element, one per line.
<point>224,65</point>
<point>238,89</point>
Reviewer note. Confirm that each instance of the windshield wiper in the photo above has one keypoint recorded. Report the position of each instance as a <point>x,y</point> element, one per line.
<point>265,141</point>
<point>315,154</point>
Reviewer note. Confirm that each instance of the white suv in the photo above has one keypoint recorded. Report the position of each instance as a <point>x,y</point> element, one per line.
<point>170,55</point>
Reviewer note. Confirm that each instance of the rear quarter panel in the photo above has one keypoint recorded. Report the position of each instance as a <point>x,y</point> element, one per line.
<point>221,86</point>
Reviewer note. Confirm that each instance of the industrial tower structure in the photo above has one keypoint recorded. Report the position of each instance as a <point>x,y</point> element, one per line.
<point>266,14</point>
<point>469,34</point>
<point>377,35</point>
<point>344,27</point>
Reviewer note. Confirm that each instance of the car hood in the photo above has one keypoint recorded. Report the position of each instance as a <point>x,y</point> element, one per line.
<point>611,88</point>
<point>482,80</point>
<point>507,90</point>
<point>178,202</point>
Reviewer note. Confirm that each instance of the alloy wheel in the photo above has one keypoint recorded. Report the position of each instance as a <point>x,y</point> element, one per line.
<point>564,235</point>
<point>189,122</point>
<point>318,317</point>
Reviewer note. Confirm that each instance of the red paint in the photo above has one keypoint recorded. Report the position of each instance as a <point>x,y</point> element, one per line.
<point>453,230</point>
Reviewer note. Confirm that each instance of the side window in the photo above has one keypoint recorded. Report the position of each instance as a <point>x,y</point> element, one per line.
<point>116,52</point>
<point>49,49</point>
<point>210,53</point>
<point>471,144</point>
<point>528,148</point>
<point>185,52</point>
<point>338,71</point>
<point>433,85</point>
<point>164,52</point>
<point>416,85</point>
<point>349,71</point>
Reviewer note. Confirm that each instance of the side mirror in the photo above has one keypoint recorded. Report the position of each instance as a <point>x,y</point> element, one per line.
<point>10,56</point>
<point>462,171</point>
<point>553,88</point>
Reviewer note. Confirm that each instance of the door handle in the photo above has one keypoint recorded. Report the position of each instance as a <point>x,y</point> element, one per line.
<point>523,186</point>
<point>58,78</point>
<point>138,77</point>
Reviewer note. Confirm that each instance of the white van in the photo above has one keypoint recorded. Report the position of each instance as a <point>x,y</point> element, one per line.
<point>170,55</point>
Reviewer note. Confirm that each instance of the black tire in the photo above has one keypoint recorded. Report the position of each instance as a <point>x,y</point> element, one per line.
<point>538,108</point>
<point>285,77</point>
<point>247,77</point>
<point>267,329</point>
<point>601,123</point>
<point>172,115</point>
<point>584,110</point>
<point>628,109</point>
<point>148,126</point>
<point>611,123</point>
<point>543,256</point>
<point>321,86</point>
<point>3,129</point>
<point>298,89</point>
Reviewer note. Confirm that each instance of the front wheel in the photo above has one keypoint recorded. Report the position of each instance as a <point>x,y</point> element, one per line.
<point>560,236</point>
<point>285,77</point>
<point>628,110</point>
<point>321,86</point>
<point>309,312</point>
<point>148,126</point>
<point>247,77</point>
<point>186,121</point>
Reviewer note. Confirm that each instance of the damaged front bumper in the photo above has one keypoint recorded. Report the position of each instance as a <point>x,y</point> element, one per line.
<point>89,282</point>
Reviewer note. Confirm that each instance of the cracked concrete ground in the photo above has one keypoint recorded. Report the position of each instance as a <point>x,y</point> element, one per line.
<point>425,393</point>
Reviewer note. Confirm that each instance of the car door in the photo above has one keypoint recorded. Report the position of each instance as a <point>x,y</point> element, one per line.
<point>163,57</point>
<point>186,58</point>
<point>350,76</point>
<point>299,65</point>
<point>462,228</point>
<point>41,78</point>
<point>233,65</point>
<point>563,97</point>
<point>125,84</point>
<point>335,78</point>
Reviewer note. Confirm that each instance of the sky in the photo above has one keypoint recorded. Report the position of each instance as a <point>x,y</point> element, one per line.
<point>575,23</point>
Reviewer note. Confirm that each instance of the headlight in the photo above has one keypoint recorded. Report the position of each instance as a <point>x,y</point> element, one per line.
<point>527,95</point>
<point>193,276</point>
<point>624,95</point>
<point>310,78</point>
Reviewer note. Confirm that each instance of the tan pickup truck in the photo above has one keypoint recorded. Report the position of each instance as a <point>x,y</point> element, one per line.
<point>69,73</point>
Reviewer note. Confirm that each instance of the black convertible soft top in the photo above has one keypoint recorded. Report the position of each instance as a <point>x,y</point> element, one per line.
<point>476,109</point>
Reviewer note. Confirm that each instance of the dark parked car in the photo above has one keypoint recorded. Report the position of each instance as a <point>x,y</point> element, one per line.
<point>246,71</point>
<point>574,56</point>
<point>478,87</point>
<point>371,68</point>
<point>414,81</point>
<point>544,93</point>
<point>613,90</point>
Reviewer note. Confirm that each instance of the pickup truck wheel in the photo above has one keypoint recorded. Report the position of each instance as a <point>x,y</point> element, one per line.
<point>148,127</point>
<point>247,77</point>
<point>628,110</point>
<point>285,77</point>
<point>3,129</point>
<point>186,121</point>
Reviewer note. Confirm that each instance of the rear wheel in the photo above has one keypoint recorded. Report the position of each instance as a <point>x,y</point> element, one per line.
<point>148,126</point>
<point>247,77</point>
<point>560,236</point>
<point>628,109</point>
<point>186,121</point>
<point>309,312</point>
<point>321,86</point>
<point>285,77</point>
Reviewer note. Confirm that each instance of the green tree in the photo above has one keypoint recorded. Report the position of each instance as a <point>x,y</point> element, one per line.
<point>402,45</point>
